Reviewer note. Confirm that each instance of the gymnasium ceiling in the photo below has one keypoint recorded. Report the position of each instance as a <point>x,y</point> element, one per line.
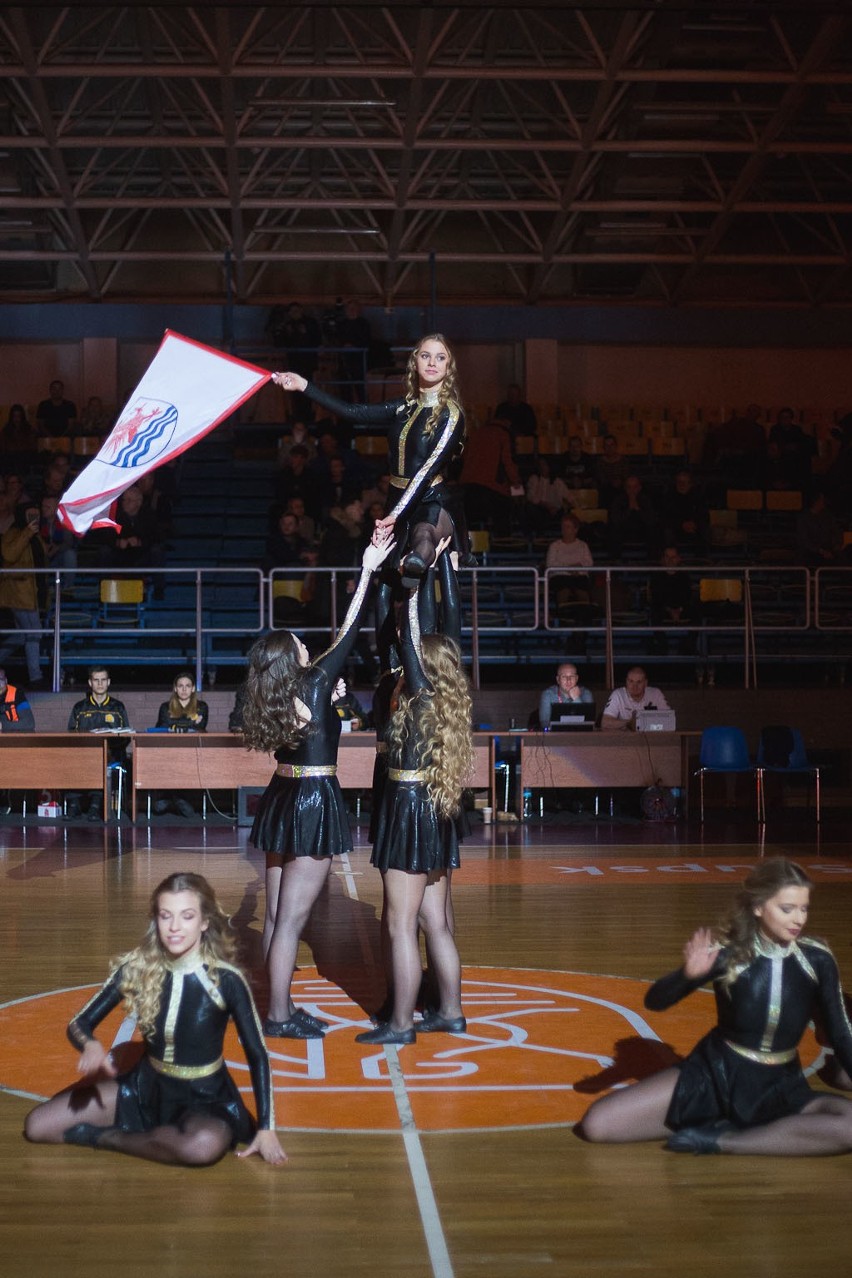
<point>657,153</point>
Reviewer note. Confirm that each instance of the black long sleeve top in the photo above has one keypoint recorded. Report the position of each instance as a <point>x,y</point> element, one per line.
<point>190,1025</point>
<point>766,1009</point>
<point>416,458</point>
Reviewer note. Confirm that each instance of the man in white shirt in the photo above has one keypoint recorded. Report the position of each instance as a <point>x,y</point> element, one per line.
<point>625,703</point>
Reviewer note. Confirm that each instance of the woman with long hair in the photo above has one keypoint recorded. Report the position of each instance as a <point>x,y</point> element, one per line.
<point>301,821</point>
<point>425,431</point>
<point>184,711</point>
<point>179,1104</point>
<point>430,758</point>
<point>741,1090</point>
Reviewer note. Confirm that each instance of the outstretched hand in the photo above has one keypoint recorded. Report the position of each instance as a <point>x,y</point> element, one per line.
<point>699,954</point>
<point>267,1144</point>
<point>381,545</point>
<point>290,381</point>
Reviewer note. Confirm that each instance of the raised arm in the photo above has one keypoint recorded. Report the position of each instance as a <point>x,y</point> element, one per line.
<point>703,961</point>
<point>359,414</point>
<point>332,661</point>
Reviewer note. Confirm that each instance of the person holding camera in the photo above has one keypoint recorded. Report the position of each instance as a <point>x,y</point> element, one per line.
<point>21,551</point>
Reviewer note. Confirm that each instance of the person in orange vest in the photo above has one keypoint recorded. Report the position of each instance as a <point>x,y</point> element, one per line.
<point>16,713</point>
<point>15,716</point>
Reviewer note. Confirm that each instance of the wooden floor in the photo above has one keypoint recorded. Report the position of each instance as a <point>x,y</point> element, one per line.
<point>452,1158</point>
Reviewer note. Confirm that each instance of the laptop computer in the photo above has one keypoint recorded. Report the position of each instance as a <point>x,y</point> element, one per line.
<point>578,717</point>
<point>655,721</point>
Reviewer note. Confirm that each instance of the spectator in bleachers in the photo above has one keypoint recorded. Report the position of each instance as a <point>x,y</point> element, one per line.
<point>611,470</point>
<point>21,552</point>
<point>569,551</point>
<point>737,448</point>
<point>16,714</point>
<point>59,544</point>
<point>685,515</point>
<point>94,419</point>
<point>516,413</point>
<point>297,436</point>
<point>294,329</point>
<point>19,438</point>
<point>335,488</point>
<point>488,476</point>
<point>7,509</point>
<point>633,522</point>
<point>56,475</point>
<point>547,498</point>
<point>578,466</point>
<point>285,548</point>
<point>671,591</point>
<point>16,492</point>
<point>795,450</point>
<point>57,415</point>
<point>305,525</point>
<point>819,535</point>
<point>296,479</point>
<point>135,544</point>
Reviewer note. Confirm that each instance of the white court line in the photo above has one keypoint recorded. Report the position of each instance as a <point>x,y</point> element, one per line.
<point>429,1215</point>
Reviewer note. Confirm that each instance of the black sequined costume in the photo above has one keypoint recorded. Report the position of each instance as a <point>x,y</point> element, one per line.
<point>409,833</point>
<point>303,813</point>
<point>416,457</point>
<point>747,1069</point>
<point>183,1071</point>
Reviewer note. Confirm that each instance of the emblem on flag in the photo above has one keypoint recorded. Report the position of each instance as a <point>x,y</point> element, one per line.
<point>141,434</point>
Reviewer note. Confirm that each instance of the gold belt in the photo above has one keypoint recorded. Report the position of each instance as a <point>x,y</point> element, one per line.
<point>407,774</point>
<point>306,770</point>
<point>763,1058</point>
<point>400,481</point>
<point>186,1071</point>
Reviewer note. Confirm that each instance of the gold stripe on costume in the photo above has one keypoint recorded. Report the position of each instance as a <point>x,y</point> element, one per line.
<point>306,770</point>
<point>399,481</point>
<point>186,1071</point>
<point>763,1058</point>
<point>407,774</point>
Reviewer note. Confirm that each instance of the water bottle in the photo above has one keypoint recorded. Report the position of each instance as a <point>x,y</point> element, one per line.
<point>527,809</point>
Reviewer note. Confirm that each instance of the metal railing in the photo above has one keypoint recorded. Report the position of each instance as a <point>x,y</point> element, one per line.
<point>198,605</point>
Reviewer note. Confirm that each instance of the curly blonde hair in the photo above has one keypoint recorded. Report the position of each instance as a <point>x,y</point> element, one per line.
<point>440,722</point>
<point>448,391</point>
<point>274,680</point>
<point>144,969</point>
<point>738,931</point>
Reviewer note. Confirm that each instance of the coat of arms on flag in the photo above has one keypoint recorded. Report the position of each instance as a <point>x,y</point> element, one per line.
<point>186,391</point>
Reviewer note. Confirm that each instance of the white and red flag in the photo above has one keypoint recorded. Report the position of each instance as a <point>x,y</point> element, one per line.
<point>185,392</point>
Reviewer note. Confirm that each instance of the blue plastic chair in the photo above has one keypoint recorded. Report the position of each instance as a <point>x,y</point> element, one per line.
<point>797,764</point>
<point>725,750</point>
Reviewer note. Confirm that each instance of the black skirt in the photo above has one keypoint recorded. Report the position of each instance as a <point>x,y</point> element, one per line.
<point>302,816</point>
<point>717,1082</point>
<point>148,1099</point>
<point>410,835</point>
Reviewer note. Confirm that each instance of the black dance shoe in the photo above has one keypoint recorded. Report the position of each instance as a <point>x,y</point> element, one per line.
<point>385,1034</point>
<point>434,1023</point>
<point>84,1134</point>
<point>305,1018</point>
<point>294,1028</point>
<point>699,1140</point>
<point>413,567</point>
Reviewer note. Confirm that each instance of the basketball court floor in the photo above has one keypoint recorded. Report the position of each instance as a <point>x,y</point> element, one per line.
<point>453,1158</point>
